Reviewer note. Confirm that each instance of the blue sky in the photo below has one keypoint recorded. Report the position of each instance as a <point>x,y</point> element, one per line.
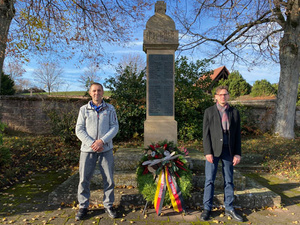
<point>72,73</point>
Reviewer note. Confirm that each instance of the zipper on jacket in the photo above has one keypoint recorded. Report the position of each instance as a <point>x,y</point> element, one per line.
<point>97,125</point>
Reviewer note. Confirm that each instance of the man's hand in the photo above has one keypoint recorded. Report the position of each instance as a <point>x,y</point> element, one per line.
<point>236,159</point>
<point>210,158</point>
<point>97,146</point>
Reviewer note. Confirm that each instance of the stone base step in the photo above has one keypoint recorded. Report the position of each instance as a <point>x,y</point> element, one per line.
<point>239,181</point>
<point>129,158</point>
<point>128,178</point>
<point>251,168</point>
<point>248,193</point>
<point>253,196</point>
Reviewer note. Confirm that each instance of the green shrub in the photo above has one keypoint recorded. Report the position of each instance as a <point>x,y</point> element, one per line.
<point>191,98</point>
<point>237,85</point>
<point>275,86</point>
<point>128,96</point>
<point>7,85</point>
<point>262,88</point>
<point>5,158</point>
<point>63,121</point>
<point>2,127</point>
<point>248,126</point>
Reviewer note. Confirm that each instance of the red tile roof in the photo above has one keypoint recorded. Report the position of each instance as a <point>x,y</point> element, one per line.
<point>218,71</point>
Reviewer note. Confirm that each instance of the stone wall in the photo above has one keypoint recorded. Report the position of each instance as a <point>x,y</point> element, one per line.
<point>28,113</point>
<point>263,113</point>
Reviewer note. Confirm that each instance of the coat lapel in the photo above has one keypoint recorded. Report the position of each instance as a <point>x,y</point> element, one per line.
<point>218,118</point>
<point>230,116</point>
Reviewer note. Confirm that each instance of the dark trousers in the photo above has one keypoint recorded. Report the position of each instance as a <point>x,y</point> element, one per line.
<point>210,176</point>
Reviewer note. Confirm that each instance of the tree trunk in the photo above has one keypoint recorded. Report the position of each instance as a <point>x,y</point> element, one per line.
<point>7,13</point>
<point>289,54</point>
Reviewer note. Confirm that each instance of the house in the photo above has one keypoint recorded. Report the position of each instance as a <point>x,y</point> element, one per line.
<point>218,74</point>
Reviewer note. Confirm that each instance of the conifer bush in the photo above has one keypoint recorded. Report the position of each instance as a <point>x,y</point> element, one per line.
<point>262,88</point>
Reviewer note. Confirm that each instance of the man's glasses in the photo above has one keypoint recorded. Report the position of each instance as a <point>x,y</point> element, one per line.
<point>222,94</point>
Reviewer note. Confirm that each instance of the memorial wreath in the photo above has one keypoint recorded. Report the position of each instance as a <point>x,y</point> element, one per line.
<point>164,167</point>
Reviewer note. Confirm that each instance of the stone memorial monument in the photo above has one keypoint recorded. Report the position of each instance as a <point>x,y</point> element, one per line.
<point>160,44</point>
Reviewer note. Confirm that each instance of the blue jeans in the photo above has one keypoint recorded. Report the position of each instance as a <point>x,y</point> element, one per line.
<point>210,176</point>
<point>87,163</point>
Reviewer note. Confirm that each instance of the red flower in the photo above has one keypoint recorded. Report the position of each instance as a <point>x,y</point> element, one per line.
<point>179,162</point>
<point>165,146</point>
<point>145,170</point>
<point>151,146</point>
<point>180,166</point>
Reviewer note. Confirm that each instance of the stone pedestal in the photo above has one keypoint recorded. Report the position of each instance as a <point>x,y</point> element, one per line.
<point>160,44</point>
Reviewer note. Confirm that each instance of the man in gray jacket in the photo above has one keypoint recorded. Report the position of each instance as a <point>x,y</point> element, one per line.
<point>97,125</point>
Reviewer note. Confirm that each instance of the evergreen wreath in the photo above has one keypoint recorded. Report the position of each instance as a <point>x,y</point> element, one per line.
<point>146,175</point>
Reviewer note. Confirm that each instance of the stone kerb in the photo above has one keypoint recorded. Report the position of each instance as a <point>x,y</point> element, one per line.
<point>248,193</point>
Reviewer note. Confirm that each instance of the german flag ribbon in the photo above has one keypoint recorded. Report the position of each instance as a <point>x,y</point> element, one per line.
<point>174,192</point>
<point>160,192</point>
<point>166,180</point>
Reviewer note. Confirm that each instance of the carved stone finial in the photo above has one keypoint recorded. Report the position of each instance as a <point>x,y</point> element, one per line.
<point>160,7</point>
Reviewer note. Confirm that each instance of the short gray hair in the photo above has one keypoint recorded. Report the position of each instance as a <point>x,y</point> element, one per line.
<point>221,87</point>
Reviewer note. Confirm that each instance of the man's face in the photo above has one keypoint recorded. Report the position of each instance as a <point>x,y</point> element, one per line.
<point>96,92</point>
<point>222,97</point>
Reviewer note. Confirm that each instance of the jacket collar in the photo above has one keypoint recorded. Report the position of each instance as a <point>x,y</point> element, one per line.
<point>89,107</point>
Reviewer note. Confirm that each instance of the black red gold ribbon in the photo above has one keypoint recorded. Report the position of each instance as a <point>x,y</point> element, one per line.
<point>165,179</point>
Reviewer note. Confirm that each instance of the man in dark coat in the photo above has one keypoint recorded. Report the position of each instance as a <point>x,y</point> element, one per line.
<point>221,141</point>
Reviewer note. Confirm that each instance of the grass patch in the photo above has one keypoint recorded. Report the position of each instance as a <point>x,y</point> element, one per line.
<point>280,155</point>
<point>30,154</point>
<point>32,189</point>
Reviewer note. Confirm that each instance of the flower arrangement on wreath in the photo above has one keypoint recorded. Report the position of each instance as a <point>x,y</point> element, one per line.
<point>159,158</point>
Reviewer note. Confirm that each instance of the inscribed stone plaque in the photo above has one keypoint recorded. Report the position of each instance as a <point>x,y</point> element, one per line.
<point>161,84</point>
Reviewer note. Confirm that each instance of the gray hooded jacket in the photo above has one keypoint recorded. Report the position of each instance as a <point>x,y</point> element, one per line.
<point>92,125</point>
